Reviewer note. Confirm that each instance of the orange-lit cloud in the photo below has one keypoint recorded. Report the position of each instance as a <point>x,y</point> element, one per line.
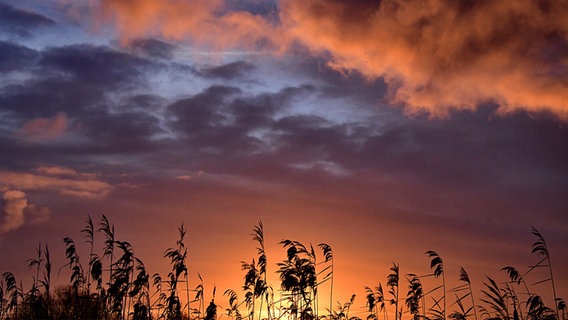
<point>173,19</point>
<point>14,204</point>
<point>45,129</point>
<point>435,55</point>
<point>438,55</point>
<point>15,210</point>
<point>65,181</point>
<point>62,180</point>
<point>197,21</point>
<point>188,177</point>
<point>64,172</point>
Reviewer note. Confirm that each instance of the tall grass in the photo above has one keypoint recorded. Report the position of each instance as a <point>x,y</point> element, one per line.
<point>131,293</point>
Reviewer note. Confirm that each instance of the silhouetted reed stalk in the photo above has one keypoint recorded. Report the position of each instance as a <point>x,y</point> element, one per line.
<point>298,276</point>
<point>233,310</point>
<point>437,265</point>
<point>392,283</point>
<point>46,282</point>
<point>211,311</point>
<point>77,278</point>
<point>199,298</point>
<point>127,293</point>
<point>496,298</point>
<point>140,292</point>
<point>541,248</point>
<point>376,301</point>
<point>108,251</point>
<point>328,258</point>
<point>562,307</point>
<point>261,287</point>
<point>11,290</point>
<point>347,306</point>
<point>465,287</point>
<point>89,234</point>
<point>177,258</point>
<point>158,303</point>
<point>414,295</point>
<point>35,262</point>
<point>251,285</point>
<point>517,279</point>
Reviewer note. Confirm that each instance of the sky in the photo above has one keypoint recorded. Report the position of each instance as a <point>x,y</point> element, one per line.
<point>383,128</point>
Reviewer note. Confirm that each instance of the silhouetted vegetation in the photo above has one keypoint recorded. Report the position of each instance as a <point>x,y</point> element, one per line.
<point>131,293</point>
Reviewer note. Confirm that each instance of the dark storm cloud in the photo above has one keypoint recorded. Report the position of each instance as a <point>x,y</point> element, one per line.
<point>20,22</point>
<point>201,111</point>
<point>14,57</point>
<point>309,137</point>
<point>475,147</point>
<point>97,65</point>
<point>259,110</point>
<point>224,120</point>
<point>63,114</point>
<point>228,71</point>
<point>499,159</point>
<point>153,47</point>
<point>258,136</point>
<point>209,127</point>
<point>257,7</point>
<point>483,167</point>
<point>119,133</point>
<point>469,150</point>
<point>331,83</point>
<point>45,97</point>
<point>70,79</point>
<point>89,138</point>
<point>143,102</point>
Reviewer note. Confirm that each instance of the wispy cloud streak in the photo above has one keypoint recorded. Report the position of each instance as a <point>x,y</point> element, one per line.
<point>61,180</point>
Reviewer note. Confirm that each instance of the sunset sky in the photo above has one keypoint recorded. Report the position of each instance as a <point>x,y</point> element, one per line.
<point>383,128</point>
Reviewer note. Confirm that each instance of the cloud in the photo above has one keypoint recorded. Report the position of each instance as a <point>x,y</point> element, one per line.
<point>45,129</point>
<point>439,55</point>
<point>63,172</point>
<point>122,132</point>
<point>14,204</point>
<point>188,177</point>
<point>175,18</point>
<point>153,48</point>
<point>52,170</point>
<point>21,22</point>
<point>225,120</point>
<point>14,57</point>
<point>326,166</point>
<point>435,56</point>
<point>16,208</point>
<point>62,180</point>
<point>65,82</point>
<point>203,22</point>
<point>95,65</point>
<point>229,71</point>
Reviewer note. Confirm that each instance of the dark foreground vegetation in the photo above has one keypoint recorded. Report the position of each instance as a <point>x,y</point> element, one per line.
<point>128,291</point>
